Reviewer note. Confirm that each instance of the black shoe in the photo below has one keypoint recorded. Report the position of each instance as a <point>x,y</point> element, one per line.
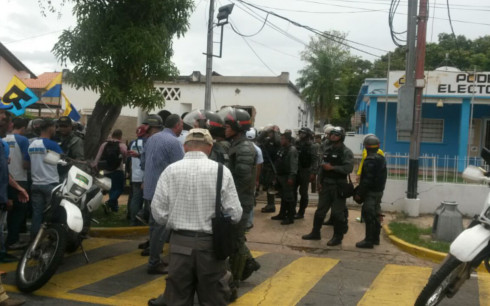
<point>278,217</point>
<point>334,241</point>
<point>146,252</point>
<point>250,267</point>
<point>268,209</point>
<point>299,216</point>
<point>144,245</point>
<point>364,244</point>
<point>376,241</point>
<point>328,222</point>
<point>287,221</point>
<point>154,302</point>
<point>312,236</point>
<point>160,268</point>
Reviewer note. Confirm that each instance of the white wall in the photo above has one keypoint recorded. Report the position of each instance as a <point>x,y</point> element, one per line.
<point>470,197</point>
<point>273,104</point>
<point>6,74</point>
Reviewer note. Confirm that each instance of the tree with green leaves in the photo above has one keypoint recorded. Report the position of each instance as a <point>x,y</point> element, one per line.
<point>118,49</point>
<point>319,81</point>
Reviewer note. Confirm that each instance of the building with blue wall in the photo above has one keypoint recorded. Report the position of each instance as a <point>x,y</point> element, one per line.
<point>455,113</point>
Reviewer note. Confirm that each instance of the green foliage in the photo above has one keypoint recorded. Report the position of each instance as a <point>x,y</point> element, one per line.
<point>415,235</point>
<point>119,48</point>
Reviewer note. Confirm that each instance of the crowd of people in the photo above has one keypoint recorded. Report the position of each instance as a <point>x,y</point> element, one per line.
<point>172,166</point>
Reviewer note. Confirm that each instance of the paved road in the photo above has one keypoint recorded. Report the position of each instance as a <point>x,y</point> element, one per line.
<point>293,272</point>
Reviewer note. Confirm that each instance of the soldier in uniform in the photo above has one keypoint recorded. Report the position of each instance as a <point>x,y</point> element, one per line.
<point>242,163</point>
<point>337,164</point>
<point>269,143</point>
<point>370,191</point>
<point>70,143</point>
<point>307,168</point>
<point>287,168</point>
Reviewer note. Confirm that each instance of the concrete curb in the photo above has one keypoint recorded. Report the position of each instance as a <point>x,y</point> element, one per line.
<point>115,232</point>
<point>413,249</point>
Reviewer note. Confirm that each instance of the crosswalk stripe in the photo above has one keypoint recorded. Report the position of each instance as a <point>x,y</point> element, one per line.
<point>484,288</point>
<point>290,284</point>
<point>89,244</point>
<point>140,294</point>
<point>91,273</point>
<point>396,285</point>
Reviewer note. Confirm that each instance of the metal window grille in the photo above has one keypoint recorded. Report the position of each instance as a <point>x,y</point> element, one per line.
<point>170,93</point>
<point>432,131</point>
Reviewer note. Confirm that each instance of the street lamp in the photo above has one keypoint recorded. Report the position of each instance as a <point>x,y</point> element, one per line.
<point>223,14</point>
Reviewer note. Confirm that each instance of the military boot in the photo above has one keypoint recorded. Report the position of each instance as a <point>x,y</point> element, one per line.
<point>270,207</point>
<point>338,234</point>
<point>281,215</point>
<point>251,265</point>
<point>367,243</point>
<point>315,232</point>
<point>377,233</point>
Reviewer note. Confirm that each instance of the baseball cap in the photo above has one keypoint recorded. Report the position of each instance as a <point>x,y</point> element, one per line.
<point>199,135</point>
<point>64,121</point>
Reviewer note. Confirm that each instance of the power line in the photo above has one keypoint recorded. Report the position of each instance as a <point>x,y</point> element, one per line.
<point>251,35</point>
<point>339,40</point>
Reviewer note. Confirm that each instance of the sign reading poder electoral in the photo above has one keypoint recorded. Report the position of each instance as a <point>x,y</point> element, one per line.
<point>447,83</point>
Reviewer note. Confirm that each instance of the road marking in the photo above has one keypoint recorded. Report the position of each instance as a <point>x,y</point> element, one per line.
<point>139,295</point>
<point>396,285</point>
<point>89,244</point>
<point>484,288</point>
<point>91,273</point>
<point>290,284</point>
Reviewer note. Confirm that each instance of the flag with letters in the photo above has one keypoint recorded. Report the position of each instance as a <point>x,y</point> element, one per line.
<point>69,109</point>
<point>53,90</point>
<point>18,96</point>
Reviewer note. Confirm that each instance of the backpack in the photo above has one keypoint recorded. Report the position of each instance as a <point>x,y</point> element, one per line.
<point>112,155</point>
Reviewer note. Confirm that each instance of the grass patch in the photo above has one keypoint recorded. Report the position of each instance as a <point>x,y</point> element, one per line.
<point>112,219</point>
<point>418,236</point>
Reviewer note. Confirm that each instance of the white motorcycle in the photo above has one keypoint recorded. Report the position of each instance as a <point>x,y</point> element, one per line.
<point>66,221</point>
<point>466,252</point>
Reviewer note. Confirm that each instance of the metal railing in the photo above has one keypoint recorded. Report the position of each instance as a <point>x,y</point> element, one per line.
<point>432,168</point>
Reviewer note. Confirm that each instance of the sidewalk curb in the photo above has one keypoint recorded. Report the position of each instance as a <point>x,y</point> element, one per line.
<point>115,232</point>
<point>413,249</point>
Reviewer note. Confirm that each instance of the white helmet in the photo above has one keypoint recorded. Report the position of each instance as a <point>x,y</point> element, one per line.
<point>251,133</point>
<point>328,128</point>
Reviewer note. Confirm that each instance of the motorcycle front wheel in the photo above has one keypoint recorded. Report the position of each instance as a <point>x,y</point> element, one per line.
<point>441,283</point>
<point>38,264</point>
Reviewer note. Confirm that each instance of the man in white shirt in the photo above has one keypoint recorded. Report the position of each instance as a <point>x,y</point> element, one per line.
<point>184,199</point>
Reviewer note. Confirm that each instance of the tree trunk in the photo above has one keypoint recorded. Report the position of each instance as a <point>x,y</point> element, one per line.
<point>99,125</point>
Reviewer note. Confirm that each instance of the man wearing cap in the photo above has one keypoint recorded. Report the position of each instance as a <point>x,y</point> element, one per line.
<point>184,200</point>
<point>135,151</point>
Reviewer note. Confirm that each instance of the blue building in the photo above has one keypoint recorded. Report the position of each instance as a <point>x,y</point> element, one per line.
<point>455,113</point>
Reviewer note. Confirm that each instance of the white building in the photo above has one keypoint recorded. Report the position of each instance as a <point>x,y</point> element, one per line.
<point>271,100</point>
<point>10,65</point>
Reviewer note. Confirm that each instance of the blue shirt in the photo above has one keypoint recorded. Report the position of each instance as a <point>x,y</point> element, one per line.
<point>161,149</point>
<point>4,172</point>
<point>43,173</point>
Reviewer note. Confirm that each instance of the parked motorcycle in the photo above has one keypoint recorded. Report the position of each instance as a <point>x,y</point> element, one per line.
<point>466,252</point>
<point>66,221</point>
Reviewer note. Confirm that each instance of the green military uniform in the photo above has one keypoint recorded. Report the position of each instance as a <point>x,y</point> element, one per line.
<point>287,167</point>
<point>269,143</point>
<point>72,146</point>
<point>307,165</point>
<point>219,152</point>
<point>242,156</point>
<point>370,190</point>
<point>342,160</point>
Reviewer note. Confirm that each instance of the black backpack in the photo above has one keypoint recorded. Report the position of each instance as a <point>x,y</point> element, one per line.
<point>112,155</point>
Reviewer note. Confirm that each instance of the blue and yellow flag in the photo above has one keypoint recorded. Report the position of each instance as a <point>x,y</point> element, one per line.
<point>18,96</point>
<point>70,110</point>
<point>54,88</point>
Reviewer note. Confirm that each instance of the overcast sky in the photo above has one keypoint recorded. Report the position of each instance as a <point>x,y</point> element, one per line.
<point>30,36</point>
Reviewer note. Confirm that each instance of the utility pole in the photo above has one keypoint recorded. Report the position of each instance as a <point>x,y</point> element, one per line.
<point>415,136</point>
<point>209,58</point>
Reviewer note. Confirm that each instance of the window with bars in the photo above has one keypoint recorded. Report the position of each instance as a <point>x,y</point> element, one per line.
<point>432,131</point>
<point>170,93</point>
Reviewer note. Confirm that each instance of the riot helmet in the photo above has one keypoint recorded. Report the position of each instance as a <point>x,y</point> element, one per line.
<point>338,131</point>
<point>328,128</point>
<point>196,119</point>
<point>237,118</point>
<point>371,142</point>
<point>154,121</point>
<point>251,134</point>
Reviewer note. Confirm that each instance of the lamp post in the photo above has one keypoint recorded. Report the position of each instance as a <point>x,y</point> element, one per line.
<point>223,14</point>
